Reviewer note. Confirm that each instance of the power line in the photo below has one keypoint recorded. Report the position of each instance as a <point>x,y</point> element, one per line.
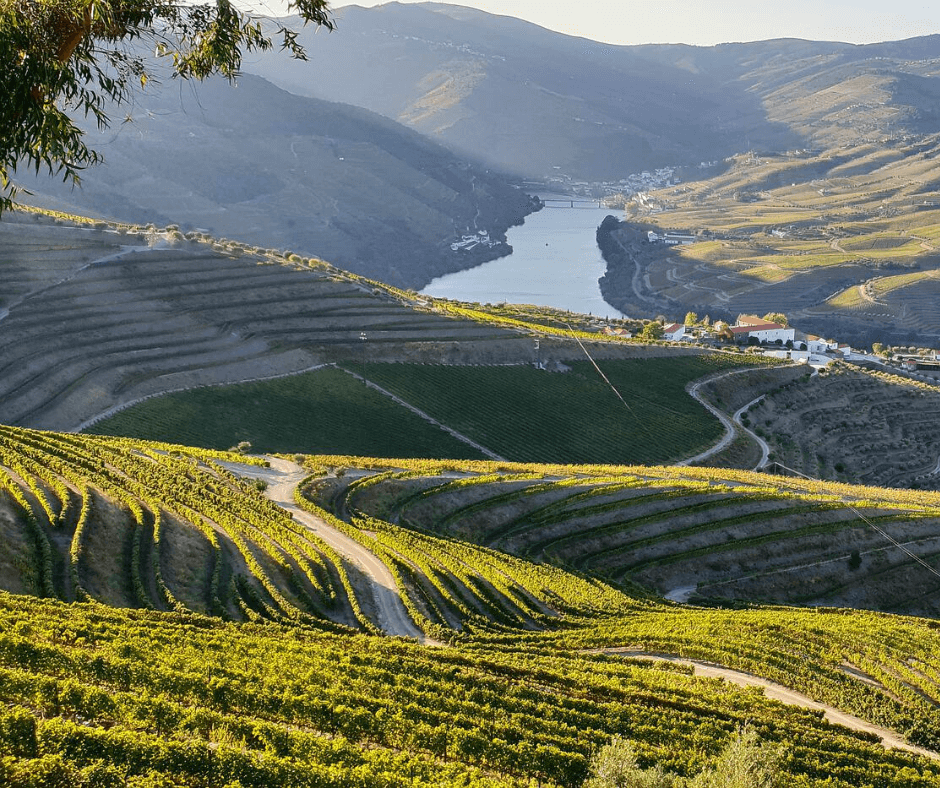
<point>868,522</point>
<point>607,381</point>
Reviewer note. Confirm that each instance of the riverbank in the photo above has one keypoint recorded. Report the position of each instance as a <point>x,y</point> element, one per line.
<point>555,262</point>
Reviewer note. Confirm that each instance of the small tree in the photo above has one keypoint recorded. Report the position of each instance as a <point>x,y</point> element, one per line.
<point>691,318</point>
<point>744,763</point>
<point>652,330</point>
<point>616,766</point>
<point>72,55</point>
<point>777,317</point>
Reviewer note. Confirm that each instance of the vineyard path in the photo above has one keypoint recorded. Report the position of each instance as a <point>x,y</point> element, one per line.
<point>727,423</point>
<point>282,478</point>
<point>889,739</point>
<point>764,447</point>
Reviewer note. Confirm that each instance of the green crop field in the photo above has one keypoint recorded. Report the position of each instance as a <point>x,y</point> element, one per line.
<point>326,411</point>
<point>529,415</point>
<point>518,412</point>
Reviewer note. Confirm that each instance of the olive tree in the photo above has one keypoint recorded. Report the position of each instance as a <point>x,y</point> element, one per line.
<point>745,762</point>
<point>62,57</point>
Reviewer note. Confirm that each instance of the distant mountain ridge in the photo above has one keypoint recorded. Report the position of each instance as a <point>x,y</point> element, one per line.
<point>255,163</point>
<point>536,102</point>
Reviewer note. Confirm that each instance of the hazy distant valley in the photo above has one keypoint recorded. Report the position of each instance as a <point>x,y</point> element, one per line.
<point>826,135</point>
<point>537,103</point>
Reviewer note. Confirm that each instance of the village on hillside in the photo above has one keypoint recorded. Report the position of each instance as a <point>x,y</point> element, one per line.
<point>772,336</point>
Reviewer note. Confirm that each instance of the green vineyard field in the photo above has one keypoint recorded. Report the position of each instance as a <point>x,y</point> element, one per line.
<point>175,627</point>
<point>529,415</point>
<point>321,412</point>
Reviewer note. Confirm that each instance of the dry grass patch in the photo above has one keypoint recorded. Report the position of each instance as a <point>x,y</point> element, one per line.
<point>186,561</point>
<point>18,568</point>
<point>104,568</point>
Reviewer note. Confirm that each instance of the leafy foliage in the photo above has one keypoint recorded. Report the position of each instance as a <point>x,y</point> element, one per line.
<point>744,763</point>
<point>74,56</point>
<point>522,694</point>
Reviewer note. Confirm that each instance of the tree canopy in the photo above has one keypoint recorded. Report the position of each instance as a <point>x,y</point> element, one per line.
<point>777,317</point>
<point>62,57</point>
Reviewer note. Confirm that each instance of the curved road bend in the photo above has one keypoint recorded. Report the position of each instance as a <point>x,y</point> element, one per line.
<point>764,448</point>
<point>282,479</point>
<point>889,739</point>
<point>727,423</point>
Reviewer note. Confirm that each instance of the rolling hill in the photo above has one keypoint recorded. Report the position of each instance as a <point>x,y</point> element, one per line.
<point>540,103</point>
<point>730,536</point>
<point>182,617</point>
<point>91,317</point>
<point>841,241</point>
<point>209,617</point>
<point>222,634</point>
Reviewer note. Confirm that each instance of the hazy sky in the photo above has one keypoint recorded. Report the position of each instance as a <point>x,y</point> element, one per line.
<point>703,22</point>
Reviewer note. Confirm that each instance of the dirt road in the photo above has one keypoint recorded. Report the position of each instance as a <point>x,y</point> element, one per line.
<point>282,479</point>
<point>778,692</point>
<point>764,448</point>
<point>693,390</point>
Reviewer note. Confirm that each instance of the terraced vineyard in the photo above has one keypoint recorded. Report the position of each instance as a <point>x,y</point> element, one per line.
<point>136,524</point>
<point>909,300</point>
<point>90,318</point>
<point>857,426</point>
<point>721,534</point>
<point>532,681</point>
<point>843,241</point>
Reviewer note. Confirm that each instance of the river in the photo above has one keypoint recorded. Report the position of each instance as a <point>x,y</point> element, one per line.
<point>555,262</point>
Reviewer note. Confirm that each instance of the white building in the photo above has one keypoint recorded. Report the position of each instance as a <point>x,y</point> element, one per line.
<point>674,332</point>
<point>819,345</point>
<point>765,332</point>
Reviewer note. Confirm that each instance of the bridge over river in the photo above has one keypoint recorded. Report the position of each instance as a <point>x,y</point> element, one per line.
<point>571,202</point>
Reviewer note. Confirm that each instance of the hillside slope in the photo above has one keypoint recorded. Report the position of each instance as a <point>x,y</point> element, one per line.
<point>723,534</point>
<point>91,318</point>
<point>842,241</point>
<point>258,164</point>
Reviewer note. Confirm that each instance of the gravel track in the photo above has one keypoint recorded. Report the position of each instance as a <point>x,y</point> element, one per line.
<point>889,739</point>
<point>727,423</point>
<point>282,478</point>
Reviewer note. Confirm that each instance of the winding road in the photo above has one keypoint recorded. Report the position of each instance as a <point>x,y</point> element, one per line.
<point>889,739</point>
<point>727,423</point>
<point>282,478</point>
<point>764,448</point>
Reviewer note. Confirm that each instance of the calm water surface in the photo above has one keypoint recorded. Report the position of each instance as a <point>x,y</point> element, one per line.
<point>555,262</point>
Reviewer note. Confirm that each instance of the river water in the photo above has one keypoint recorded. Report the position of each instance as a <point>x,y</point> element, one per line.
<point>555,262</point>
